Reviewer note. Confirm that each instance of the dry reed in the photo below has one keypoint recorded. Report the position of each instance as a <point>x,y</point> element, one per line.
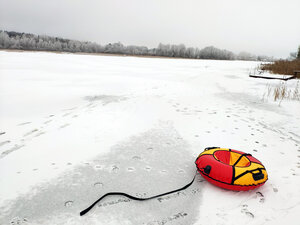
<point>282,67</point>
<point>281,91</point>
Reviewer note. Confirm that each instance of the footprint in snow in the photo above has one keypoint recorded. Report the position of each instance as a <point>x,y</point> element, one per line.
<point>246,211</point>
<point>66,114</point>
<point>136,157</point>
<point>30,132</point>
<point>261,197</point>
<point>40,133</point>
<point>141,195</point>
<point>65,125</point>
<point>163,171</point>
<point>19,221</point>
<point>16,147</point>
<point>249,214</point>
<point>115,169</point>
<point>131,169</point>
<point>68,203</point>
<point>4,142</point>
<point>70,109</point>
<point>47,121</point>
<point>98,185</point>
<point>97,167</point>
<point>22,124</point>
<point>148,168</point>
<point>200,180</point>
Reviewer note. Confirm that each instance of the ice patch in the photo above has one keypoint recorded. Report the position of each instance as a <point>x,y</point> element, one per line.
<point>79,187</point>
<point>105,99</point>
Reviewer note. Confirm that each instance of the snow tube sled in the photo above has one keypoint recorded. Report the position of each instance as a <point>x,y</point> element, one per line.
<point>231,169</point>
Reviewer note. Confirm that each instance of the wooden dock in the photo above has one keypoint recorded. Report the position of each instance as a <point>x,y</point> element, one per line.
<point>290,77</point>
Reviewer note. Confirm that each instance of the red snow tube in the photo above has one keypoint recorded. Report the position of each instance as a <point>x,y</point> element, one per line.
<point>231,169</point>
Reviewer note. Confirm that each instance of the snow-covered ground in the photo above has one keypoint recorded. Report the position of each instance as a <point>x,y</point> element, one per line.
<point>73,127</point>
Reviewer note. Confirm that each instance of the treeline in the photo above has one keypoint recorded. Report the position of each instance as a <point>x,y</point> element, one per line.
<point>25,41</point>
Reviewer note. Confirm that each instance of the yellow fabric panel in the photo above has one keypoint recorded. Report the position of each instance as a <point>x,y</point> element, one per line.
<point>240,170</point>
<point>211,151</point>
<point>234,157</point>
<point>247,179</point>
<point>243,162</point>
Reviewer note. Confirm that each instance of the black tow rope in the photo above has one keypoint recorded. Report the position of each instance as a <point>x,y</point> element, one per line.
<point>135,198</point>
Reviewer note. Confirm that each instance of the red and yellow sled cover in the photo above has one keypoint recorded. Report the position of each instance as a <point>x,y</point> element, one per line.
<point>231,169</point>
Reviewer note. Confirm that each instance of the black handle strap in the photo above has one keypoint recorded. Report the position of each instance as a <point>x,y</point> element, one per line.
<point>133,197</point>
<point>258,176</point>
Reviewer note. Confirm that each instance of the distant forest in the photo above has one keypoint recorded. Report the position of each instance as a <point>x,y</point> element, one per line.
<point>25,41</point>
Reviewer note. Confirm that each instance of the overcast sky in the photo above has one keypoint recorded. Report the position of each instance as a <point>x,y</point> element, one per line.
<point>270,27</point>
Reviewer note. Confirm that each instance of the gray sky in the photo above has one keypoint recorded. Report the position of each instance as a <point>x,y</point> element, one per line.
<point>270,27</point>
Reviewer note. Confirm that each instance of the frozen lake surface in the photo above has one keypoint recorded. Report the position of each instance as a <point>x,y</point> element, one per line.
<point>74,127</point>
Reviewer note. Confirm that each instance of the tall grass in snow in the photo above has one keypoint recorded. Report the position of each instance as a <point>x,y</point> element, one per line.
<point>282,91</point>
<point>282,67</point>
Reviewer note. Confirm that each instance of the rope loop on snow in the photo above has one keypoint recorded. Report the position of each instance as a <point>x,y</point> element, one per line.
<point>135,198</point>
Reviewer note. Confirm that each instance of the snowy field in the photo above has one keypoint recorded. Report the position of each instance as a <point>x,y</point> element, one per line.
<point>73,127</point>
